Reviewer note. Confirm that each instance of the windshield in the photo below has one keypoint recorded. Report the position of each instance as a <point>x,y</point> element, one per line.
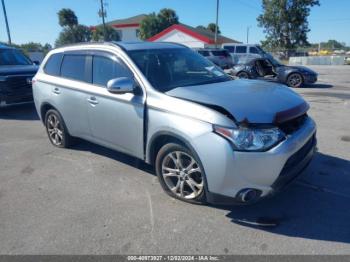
<point>13,57</point>
<point>275,62</point>
<point>168,68</point>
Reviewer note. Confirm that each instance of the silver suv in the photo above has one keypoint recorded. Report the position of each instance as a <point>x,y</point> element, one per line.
<point>210,138</point>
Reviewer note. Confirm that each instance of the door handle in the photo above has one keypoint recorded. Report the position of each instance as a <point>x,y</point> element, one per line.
<point>92,100</point>
<point>56,91</point>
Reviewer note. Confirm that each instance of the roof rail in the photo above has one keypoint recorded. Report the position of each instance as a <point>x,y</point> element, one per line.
<point>111,43</point>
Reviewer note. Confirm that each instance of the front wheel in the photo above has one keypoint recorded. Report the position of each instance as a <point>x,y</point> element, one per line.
<point>295,80</point>
<point>180,173</point>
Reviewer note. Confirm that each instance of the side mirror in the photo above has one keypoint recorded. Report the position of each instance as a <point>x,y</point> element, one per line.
<point>36,62</point>
<point>121,85</point>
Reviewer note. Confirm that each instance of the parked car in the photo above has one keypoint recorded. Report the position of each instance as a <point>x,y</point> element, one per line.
<point>271,69</point>
<point>243,53</point>
<point>16,73</point>
<point>218,56</point>
<point>210,138</point>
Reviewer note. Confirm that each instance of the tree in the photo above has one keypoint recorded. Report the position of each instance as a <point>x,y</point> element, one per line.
<point>201,27</point>
<point>111,34</point>
<point>72,32</point>
<point>285,23</point>
<point>212,27</point>
<point>154,23</point>
<point>76,34</point>
<point>167,17</point>
<point>67,17</point>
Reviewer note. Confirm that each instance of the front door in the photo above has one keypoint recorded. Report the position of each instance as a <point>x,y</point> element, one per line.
<point>116,120</point>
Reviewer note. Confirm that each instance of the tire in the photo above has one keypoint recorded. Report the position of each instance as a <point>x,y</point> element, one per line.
<point>184,180</point>
<point>243,75</point>
<point>56,129</point>
<point>295,80</point>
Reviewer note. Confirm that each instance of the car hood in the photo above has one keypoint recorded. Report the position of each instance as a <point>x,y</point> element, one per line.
<point>251,101</point>
<point>10,70</point>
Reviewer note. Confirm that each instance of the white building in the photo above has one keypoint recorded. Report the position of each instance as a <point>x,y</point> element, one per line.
<point>128,28</point>
<point>190,36</point>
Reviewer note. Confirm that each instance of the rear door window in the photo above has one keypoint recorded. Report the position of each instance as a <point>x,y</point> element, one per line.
<point>74,67</point>
<point>105,69</point>
<point>241,49</point>
<point>53,65</point>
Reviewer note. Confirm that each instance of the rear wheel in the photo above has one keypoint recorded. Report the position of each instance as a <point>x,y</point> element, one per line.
<point>180,173</point>
<point>243,75</point>
<point>56,129</point>
<point>295,80</point>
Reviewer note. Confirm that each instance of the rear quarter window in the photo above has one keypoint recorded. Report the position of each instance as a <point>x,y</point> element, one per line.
<point>53,65</point>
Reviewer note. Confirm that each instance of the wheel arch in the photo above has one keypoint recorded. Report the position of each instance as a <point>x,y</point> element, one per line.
<point>161,138</point>
<point>44,108</point>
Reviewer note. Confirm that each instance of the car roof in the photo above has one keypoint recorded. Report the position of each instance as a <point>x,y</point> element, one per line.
<point>129,46</point>
<point>210,49</point>
<point>240,45</point>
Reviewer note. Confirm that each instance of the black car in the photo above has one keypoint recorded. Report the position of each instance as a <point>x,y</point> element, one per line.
<point>16,73</point>
<point>269,68</point>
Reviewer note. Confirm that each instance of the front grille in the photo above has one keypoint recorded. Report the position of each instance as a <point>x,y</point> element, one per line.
<point>16,83</point>
<point>293,125</point>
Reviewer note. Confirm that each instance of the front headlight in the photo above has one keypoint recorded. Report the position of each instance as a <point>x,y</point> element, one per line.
<point>251,139</point>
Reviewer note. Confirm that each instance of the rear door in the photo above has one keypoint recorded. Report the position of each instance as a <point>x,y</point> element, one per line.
<point>116,120</point>
<point>68,91</point>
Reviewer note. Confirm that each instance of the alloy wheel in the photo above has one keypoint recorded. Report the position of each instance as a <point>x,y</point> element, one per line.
<point>54,129</point>
<point>295,80</point>
<point>182,175</point>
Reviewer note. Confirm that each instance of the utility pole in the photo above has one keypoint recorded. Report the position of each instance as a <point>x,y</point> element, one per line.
<point>217,22</point>
<point>6,22</point>
<point>248,28</point>
<point>102,13</point>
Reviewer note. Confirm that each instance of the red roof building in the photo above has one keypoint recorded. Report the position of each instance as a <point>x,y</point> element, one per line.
<point>190,36</point>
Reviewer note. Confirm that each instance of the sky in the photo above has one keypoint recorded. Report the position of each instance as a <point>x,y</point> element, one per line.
<point>36,20</point>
